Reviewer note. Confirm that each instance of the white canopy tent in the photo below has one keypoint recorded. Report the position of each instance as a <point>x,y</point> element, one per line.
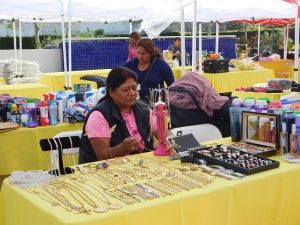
<point>155,14</point>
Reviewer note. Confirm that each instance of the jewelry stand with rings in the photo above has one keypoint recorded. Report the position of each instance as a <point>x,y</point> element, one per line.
<point>60,144</point>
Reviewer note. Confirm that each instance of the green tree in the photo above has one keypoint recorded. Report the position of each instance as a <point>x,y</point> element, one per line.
<point>99,32</point>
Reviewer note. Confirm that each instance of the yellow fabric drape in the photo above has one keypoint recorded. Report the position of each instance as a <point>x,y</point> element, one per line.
<point>282,68</point>
<point>222,82</point>
<point>35,90</point>
<point>257,95</point>
<point>269,198</point>
<point>20,149</point>
<point>2,81</point>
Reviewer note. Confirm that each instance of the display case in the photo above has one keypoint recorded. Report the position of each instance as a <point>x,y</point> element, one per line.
<point>234,159</point>
<point>260,134</point>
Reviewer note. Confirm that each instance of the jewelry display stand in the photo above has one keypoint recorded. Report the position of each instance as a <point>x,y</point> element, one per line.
<point>60,144</point>
<point>160,111</point>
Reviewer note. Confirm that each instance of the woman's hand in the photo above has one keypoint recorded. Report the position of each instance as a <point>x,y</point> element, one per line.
<point>130,144</point>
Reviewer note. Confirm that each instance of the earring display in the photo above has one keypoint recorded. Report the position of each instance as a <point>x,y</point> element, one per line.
<point>237,160</point>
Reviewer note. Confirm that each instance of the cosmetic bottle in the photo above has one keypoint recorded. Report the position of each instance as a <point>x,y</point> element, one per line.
<point>283,140</point>
<point>31,108</point>
<point>293,140</point>
<point>272,132</point>
<point>234,112</point>
<point>261,133</point>
<point>253,127</point>
<point>297,122</point>
<point>261,106</point>
<point>276,108</point>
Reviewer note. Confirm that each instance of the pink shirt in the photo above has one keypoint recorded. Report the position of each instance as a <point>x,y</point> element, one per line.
<point>97,126</point>
<point>132,52</point>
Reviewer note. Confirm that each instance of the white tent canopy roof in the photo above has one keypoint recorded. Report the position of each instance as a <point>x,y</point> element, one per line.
<point>29,9</point>
<point>156,14</point>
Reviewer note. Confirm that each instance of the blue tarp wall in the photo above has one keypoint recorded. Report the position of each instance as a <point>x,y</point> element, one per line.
<point>105,54</point>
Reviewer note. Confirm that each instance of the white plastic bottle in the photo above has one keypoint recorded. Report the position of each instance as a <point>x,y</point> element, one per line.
<point>175,62</point>
<point>53,112</point>
<point>59,109</point>
<point>90,98</point>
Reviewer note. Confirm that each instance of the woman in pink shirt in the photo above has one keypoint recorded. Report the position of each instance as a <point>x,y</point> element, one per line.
<point>119,124</point>
<point>134,37</point>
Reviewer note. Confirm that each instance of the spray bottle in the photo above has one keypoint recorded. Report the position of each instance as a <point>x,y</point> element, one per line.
<point>31,108</point>
<point>44,111</point>
<point>53,110</point>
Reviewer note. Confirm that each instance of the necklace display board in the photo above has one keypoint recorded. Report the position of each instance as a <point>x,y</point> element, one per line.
<point>60,144</point>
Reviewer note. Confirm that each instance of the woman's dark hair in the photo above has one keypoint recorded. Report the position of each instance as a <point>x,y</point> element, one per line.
<point>149,47</point>
<point>177,39</point>
<point>119,75</point>
<point>116,77</point>
<point>135,35</point>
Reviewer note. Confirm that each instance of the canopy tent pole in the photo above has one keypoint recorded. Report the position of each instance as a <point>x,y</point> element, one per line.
<point>64,46</point>
<point>182,27</point>
<point>287,38</point>
<point>15,45</point>
<point>200,48</point>
<point>20,48</point>
<point>286,41</point>
<point>130,26</point>
<point>217,38</point>
<point>296,56</point>
<point>194,38</point>
<point>70,52</point>
<point>258,39</point>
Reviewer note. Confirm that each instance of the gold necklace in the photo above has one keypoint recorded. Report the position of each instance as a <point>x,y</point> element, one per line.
<point>84,196</point>
<point>63,199</point>
<point>110,204</point>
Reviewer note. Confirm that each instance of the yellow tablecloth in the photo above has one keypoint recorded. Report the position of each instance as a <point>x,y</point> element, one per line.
<point>257,95</point>
<point>271,198</point>
<point>34,90</point>
<point>222,82</point>
<point>177,71</point>
<point>227,82</point>
<point>20,149</point>
<point>282,68</point>
<point>2,81</point>
<point>57,80</point>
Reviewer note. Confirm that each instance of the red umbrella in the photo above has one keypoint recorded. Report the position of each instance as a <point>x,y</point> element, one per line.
<point>271,21</point>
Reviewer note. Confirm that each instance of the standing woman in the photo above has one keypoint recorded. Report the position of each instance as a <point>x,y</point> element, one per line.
<point>151,69</point>
<point>134,37</point>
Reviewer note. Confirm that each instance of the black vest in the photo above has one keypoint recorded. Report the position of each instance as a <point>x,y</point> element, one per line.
<point>113,116</point>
